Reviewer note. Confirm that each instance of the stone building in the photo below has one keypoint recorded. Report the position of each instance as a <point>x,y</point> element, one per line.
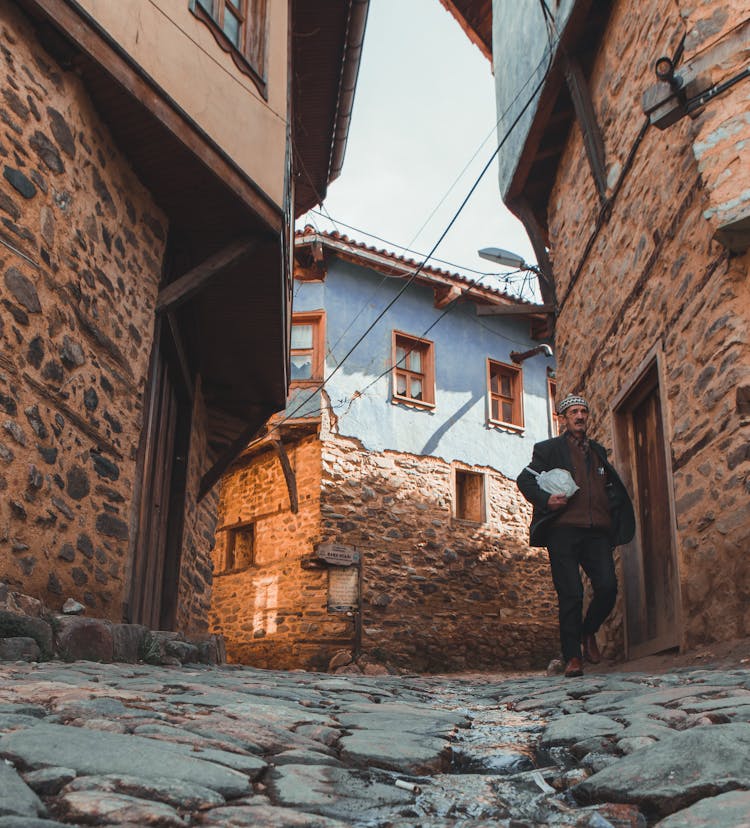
<point>378,519</point>
<point>146,201</point>
<point>630,170</point>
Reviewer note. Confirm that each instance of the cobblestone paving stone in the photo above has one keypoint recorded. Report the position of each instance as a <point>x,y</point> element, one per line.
<point>138,745</point>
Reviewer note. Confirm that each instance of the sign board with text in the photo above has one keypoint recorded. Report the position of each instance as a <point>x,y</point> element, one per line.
<point>338,554</point>
<point>343,589</point>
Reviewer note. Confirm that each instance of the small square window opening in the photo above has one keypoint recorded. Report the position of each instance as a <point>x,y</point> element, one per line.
<point>469,496</point>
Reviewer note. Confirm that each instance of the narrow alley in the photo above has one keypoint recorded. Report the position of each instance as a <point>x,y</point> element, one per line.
<point>114,744</point>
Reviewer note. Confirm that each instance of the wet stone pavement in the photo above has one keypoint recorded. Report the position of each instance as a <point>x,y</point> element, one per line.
<point>137,745</point>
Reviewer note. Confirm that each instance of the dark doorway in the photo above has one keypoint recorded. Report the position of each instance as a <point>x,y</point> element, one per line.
<point>156,559</point>
<point>651,583</point>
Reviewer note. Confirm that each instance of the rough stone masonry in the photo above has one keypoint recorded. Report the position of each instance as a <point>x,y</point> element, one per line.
<point>81,244</point>
<point>651,285</point>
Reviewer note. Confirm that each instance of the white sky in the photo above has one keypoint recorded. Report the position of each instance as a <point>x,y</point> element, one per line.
<point>424,105</point>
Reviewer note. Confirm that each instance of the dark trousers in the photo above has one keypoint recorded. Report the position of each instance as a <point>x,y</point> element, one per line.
<point>570,550</point>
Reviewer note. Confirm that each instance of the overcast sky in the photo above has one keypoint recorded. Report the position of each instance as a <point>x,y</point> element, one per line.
<point>424,107</point>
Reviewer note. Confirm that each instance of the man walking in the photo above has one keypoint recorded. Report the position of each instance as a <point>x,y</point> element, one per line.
<point>580,532</point>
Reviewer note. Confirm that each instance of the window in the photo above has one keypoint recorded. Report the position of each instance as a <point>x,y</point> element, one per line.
<point>505,394</point>
<point>554,423</point>
<point>240,548</point>
<point>468,499</point>
<point>306,356</point>
<point>414,370</point>
<point>239,27</point>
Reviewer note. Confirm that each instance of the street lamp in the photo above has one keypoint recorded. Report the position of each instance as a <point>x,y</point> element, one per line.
<point>510,259</point>
<point>507,258</point>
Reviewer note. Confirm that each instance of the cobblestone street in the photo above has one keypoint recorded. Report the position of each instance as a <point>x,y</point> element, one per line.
<point>114,744</point>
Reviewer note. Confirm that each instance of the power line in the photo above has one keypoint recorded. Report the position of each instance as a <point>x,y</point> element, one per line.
<point>428,257</point>
<point>413,276</point>
<point>390,243</point>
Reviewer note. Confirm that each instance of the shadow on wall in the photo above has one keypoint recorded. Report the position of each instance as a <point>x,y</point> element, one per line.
<point>431,445</point>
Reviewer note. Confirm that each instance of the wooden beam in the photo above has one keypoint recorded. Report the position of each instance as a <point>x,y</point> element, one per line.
<point>182,358</point>
<point>291,480</point>
<point>539,241</point>
<point>247,435</point>
<point>513,310</point>
<point>183,288</point>
<point>445,295</point>
<point>91,38</point>
<point>586,116</point>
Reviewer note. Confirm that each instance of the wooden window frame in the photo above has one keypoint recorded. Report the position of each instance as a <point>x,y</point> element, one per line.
<point>554,421</point>
<point>317,319</point>
<point>230,563</point>
<point>251,56</point>
<point>458,475</point>
<point>516,399</point>
<point>427,347</point>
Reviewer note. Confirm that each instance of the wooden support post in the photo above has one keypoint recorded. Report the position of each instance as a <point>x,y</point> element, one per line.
<point>180,290</point>
<point>182,358</point>
<point>289,476</point>
<point>586,116</point>
<point>247,435</point>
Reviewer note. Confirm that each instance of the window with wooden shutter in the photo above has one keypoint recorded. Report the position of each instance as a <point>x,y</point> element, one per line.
<point>468,496</point>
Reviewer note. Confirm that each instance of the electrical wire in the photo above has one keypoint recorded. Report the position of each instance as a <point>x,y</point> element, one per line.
<point>429,257</point>
<point>413,276</point>
<point>390,243</point>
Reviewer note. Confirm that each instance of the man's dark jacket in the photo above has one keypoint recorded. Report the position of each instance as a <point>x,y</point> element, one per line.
<point>555,454</point>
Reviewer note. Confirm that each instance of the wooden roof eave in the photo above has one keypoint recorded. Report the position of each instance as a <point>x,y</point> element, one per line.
<point>547,134</point>
<point>475,19</point>
<point>327,39</point>
<point>387,266</point>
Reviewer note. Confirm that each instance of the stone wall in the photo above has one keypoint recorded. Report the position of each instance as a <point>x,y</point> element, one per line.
<point>655,280</point>
<point>273,612</point>
<point>438,593</point>
<point>80,258</point>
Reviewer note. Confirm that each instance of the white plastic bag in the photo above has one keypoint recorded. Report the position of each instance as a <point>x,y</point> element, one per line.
<point>555,481</point>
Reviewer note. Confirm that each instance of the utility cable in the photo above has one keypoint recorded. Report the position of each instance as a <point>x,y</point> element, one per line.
<point>414,275</point>
<point>390,243</point>
<point>429,257</point>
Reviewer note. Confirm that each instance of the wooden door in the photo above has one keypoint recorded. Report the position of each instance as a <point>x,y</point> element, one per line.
<point>156,557</point>
<point>649,563</point>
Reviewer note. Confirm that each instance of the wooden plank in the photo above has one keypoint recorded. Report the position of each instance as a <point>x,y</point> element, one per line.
<point>586,116</point>
<point>513,310</point>
<point>539,241</point>
<point>182,358</point>
<point>289,476</point>
<point>212,476</point>
<point>445,295</point>
<point>656,537</point>
<point>141,499</point>
<point>85,32</point>
<point>161,508</point>
<point>184,287</point>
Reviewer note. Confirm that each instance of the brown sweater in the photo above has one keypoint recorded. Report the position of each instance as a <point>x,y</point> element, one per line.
<point>589,506</point>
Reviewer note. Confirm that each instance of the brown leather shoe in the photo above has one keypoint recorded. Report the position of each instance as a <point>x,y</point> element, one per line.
<point>590,650</point>
<point>574,668</point>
